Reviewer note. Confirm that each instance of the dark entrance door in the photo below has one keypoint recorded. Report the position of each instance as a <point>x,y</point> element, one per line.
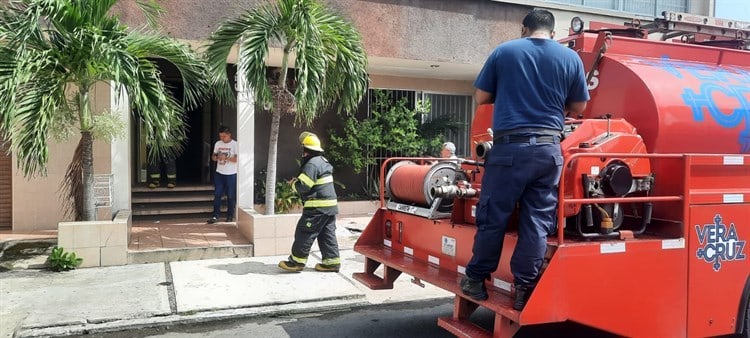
<point>193,165</point>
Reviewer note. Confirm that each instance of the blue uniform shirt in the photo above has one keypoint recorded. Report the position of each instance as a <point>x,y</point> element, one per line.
<point>531,80</point>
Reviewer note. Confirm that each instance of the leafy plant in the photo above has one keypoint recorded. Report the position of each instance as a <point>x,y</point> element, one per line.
<point>394,128</point>
<point>286,197</point>
<point>59,260</point>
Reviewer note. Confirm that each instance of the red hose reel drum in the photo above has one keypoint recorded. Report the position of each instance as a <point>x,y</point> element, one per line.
<point>408,182</point>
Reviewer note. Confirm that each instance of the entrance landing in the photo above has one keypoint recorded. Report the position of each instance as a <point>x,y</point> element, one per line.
<point>184,232</point>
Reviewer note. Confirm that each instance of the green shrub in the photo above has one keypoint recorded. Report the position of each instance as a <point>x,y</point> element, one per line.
<point>286,197</point>
<point>60,260</point>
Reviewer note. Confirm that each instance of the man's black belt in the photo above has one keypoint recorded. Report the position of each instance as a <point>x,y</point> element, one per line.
<point>533,139</point>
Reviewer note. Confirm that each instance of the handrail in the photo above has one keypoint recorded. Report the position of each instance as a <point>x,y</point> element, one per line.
<point>687,160</point>
<point>562,202</point>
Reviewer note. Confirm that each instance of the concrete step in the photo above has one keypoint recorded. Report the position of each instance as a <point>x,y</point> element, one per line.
<point>179,188</point>
<point>173,199</point>
<point>184,254</point>
<point>172,208</point>
<point>181,200</point>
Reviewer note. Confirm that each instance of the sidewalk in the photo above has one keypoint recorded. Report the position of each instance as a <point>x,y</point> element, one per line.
<point>42,303</point>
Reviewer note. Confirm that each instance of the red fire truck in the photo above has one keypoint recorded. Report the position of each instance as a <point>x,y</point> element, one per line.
<point>654,207</point>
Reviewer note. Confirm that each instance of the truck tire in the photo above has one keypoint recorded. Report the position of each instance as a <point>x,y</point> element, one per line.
<point>746,331</point>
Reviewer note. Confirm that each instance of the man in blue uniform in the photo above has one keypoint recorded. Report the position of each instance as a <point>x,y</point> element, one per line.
<point>315,185</point>
<point>533,82</point>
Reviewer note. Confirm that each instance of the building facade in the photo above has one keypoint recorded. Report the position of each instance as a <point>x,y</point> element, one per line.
<point>426,47</point>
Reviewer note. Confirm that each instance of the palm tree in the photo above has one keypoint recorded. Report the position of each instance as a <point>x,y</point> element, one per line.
<point>53,53</point>
<point>330,64</point>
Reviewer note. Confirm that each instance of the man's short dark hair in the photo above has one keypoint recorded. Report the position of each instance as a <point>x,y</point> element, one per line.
<point>225,129</point>
<point>539,19</point>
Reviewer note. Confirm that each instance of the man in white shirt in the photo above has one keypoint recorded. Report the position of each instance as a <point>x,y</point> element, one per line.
<point>225,178</point>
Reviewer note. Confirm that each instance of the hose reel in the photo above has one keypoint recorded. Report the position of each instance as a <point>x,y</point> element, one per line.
<point>410,186</point>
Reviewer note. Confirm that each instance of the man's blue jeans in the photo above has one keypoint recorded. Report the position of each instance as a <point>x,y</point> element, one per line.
<point>225,184</point>
<point>523,174</point>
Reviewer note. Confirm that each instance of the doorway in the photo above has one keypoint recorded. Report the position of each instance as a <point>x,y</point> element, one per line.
<point>193,164</point>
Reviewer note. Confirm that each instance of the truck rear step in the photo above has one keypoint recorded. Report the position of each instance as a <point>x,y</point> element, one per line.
<point>394,263</point>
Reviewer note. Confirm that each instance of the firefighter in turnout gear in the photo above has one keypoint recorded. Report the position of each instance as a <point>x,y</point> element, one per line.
<point>315,185</point>
<point>154,172</point>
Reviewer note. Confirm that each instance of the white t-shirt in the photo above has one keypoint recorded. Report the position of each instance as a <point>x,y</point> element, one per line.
<point>225,167</point>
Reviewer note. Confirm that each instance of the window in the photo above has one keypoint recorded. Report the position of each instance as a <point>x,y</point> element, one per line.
<point>644,7</point>
<point>456,109</point>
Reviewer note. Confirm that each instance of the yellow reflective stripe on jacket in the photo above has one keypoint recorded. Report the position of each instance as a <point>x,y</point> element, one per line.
<point>306,180</point>
<point>320,203</point>
<point>324,180</point>
<point>332,261</point>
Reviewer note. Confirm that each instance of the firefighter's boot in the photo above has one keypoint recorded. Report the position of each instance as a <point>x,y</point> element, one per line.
<point>292,266</point>
<point>474,288</point>
<point>153,184</point>
<point>327,267</point>
<point>522,296</point>
<point>171,181</point>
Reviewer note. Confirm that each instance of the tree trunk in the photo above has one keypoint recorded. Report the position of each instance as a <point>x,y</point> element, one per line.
<point>273,141</point>
<point>87,166</point>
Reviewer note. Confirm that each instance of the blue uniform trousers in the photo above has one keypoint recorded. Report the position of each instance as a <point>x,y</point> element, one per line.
<point>523,174</point>
<point>225,184</point>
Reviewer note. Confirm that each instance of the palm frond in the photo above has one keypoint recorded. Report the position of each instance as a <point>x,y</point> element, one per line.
<point>254,30</point>
<point>347,79</point>
<point>331,64</point>
<point>192,69</point>
<point>151,11</point>
<point>161,114</point>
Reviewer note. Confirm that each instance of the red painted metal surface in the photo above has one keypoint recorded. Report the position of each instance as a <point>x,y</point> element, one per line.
<point>679,114</point>
<point>715,284</point>
<point>681,98</point>
<point>407,183</point>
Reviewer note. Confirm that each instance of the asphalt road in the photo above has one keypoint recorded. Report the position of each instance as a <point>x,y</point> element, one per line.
<point>404,320</point>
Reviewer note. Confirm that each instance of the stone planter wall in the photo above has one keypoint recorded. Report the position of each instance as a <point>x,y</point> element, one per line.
<point>273,235</point>
<point>99,243</point>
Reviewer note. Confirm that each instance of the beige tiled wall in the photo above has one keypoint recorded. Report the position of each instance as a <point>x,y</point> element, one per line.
<point>273,235</point>
<point>100,243</point>
<point>37,203</point>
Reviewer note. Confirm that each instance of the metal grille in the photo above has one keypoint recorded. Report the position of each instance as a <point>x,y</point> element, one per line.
<point>645,7</point>
<point>103,191</point>
<point>457,108</point>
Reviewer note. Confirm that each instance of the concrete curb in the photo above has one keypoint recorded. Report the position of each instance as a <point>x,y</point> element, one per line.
<point>329,305</point>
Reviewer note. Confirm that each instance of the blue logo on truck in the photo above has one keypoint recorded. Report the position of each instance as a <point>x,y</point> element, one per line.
<point>719,243</point>
<point>730,82</point>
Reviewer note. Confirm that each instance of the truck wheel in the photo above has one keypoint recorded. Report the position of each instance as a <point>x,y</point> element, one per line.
<point>746,331</point>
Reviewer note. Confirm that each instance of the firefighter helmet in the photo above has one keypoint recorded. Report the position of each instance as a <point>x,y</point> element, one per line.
<point>310,141</point>
<point>304,134</point>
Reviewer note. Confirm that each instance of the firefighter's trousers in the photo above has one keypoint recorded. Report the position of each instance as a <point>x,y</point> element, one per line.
<point>524,175</point>
<point>313,224</point>
<point>154,170</point>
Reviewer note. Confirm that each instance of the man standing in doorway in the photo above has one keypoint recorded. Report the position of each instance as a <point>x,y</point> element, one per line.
<point>315,184</point>
<point>225,178</point>
<point>533,82</point>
